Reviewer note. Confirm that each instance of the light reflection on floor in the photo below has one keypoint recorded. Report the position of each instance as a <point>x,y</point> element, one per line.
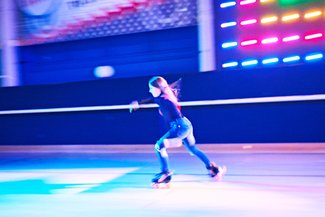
<point>119,185</point>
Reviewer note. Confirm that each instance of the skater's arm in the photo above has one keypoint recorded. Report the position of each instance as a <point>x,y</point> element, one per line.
<point>135,105</point>
<point>146,101</point>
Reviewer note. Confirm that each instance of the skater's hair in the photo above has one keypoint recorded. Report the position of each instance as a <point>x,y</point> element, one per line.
<point>170,91</point>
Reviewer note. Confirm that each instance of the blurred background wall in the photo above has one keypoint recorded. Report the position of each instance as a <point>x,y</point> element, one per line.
<point>77,53</point>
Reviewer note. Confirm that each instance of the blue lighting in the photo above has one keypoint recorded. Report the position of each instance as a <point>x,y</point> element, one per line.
<point>228,24</point>
<point>249,62</point>
<point>315,56</point>
<point>229,44</point>
<point>227,4</point>
<point>229,64</point>
<point>270,60</point>
<point>291,59</point>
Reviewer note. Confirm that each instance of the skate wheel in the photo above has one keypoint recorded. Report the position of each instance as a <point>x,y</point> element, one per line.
<point>160,185</point>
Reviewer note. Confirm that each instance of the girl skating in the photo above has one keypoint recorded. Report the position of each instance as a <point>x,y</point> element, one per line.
<point>180,130</point>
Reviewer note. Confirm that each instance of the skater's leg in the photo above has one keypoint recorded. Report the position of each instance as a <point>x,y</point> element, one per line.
<point>214,170</point>
<point>189,143</point>
<point>165,175</point>
<point>198,153</point>
<point>162,154</point>
<point>163,159</point>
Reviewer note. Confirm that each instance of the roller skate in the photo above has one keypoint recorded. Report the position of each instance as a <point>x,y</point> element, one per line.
<point>217,172</point>
<point>161,180</point>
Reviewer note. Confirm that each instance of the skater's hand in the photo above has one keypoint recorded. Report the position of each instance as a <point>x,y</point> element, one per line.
<point>134,106</point>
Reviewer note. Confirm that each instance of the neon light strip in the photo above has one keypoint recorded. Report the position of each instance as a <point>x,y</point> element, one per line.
<point>314,36</point>
<point>227,4</point>
<point>291,38</point>
<point>249,42</point>
<point>271,19</point>
<point>290,17</point>
<point>291,59</point>
<point>312,14</point>
<point>270,60</point>
<point>230,64</point>
<point>248,22</point>
<point>270,40</point>
<point>267,1</point>
<point>314,57</point>
<point>228,24</point>
<point>229,44</point>
<point>246,2</point>
<point>249,62</point>
<point>275,99</point>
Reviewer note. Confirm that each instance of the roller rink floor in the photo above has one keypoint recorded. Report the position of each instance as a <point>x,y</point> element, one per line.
<point>114,181</point>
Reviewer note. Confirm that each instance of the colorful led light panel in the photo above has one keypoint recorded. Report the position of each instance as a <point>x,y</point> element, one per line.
<point>262,33</point>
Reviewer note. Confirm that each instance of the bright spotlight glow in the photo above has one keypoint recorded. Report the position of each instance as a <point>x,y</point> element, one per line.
<point>104,71</point>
